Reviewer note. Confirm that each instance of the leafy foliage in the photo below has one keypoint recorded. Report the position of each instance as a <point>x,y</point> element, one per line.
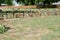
<point>2,29</point>
<point>33,2</point>
<point>8,2</point>
<point>27,2</point>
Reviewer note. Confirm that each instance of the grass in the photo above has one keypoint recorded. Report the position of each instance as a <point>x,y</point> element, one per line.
<point>41,28</point>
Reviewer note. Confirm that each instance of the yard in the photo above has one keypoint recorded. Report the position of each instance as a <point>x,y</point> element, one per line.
<point>33,28</point>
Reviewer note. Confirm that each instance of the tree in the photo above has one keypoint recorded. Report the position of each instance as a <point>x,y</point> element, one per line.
<point>29,2</point>
<point>34,2</point>
<point>20,1</point>
<point>1,1</point>
<point>8,2</point>
<point>26,2</point>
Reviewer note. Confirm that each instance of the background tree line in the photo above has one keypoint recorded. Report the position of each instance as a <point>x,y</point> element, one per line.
<point>34,2</point>
<point>28,2</point>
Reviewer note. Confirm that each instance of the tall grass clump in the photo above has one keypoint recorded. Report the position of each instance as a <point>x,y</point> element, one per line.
<point>2,29</point>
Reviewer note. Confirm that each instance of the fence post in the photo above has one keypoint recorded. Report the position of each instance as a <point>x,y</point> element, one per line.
<point>6,15</point>
<point>13,13</point>
<point>23,14</point>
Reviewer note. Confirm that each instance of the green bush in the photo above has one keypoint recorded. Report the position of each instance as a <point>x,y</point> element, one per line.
<point>2,29</point>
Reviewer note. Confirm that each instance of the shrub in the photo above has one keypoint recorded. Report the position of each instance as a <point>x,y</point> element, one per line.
<point>2,29</point>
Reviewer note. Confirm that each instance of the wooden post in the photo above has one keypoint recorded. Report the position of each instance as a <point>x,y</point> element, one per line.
<point>23,14</point>
<point>6,15</point>
<point>2,15</point>
<point>13,13</point>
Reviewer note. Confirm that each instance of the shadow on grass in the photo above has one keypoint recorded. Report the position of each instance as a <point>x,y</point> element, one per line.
<point>4,29</point>
<point>7,28</point>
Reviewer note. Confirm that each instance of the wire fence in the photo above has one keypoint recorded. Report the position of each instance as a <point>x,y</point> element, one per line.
<point>27,12</point>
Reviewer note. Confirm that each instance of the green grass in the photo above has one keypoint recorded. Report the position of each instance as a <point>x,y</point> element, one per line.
<point>41,28</point>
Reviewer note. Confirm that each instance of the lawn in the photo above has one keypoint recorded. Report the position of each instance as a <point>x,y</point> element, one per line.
<point>35,28</point>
